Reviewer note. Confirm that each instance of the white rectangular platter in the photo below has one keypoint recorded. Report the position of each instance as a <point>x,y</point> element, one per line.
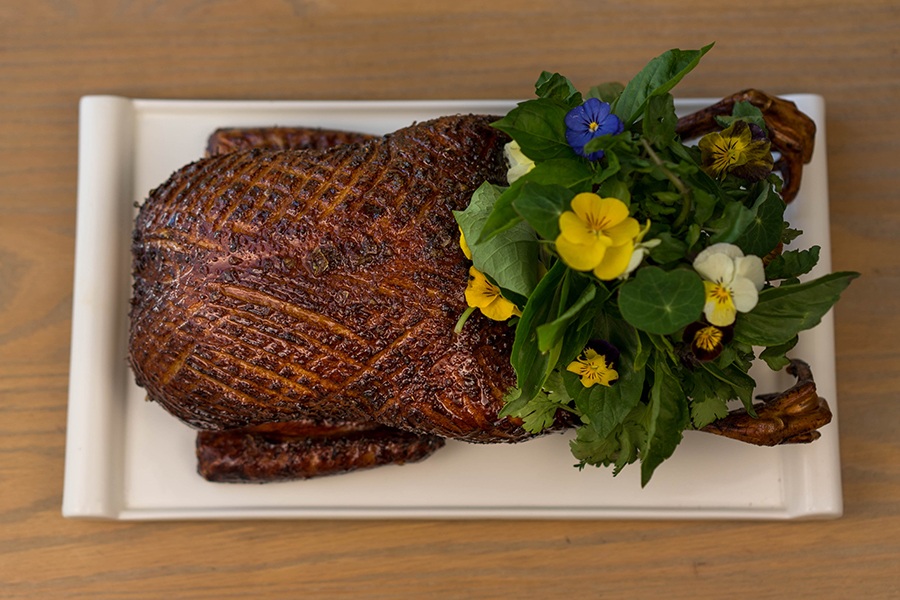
<point>128,459</point>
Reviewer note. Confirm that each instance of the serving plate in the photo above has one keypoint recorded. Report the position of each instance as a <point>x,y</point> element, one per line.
<point>127,458</point>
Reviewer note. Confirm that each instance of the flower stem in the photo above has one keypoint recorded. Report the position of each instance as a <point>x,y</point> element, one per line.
<point>684,190</point>
<point>462,320</point>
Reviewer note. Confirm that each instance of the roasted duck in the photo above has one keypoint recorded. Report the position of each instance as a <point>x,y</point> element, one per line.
<point>295,294</point>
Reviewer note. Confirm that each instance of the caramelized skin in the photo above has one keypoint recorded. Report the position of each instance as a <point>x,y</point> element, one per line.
<point>280,286</point>
<point>233,139</point>
<point>281,451</point>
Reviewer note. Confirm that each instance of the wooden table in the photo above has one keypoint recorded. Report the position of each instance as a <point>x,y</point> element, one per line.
<point>54,51</point>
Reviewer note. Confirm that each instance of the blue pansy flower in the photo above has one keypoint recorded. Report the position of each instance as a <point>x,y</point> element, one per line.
<point>588,121</point>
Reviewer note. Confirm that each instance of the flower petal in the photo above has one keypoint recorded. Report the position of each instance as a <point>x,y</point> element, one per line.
<point>719,308</point>
<point>613,211</point>
<point>625,232</point>
<point>500,309</point>
<point>577,118</point>
<point>637,257</point>
<point>581,257</point>
<point>752,268</point>
<point>575,229</point>
<point>463,245</point>
<point>480,292</point>
<point>615,261</point>
<point>719,314</point>
<point>519,164</point>
<point>729,250</point>
<point>715,267</point>
<point>744,294</point>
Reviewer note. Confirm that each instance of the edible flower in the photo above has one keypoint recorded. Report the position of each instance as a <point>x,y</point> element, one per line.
<point>484,295</point>
<point>736,150</point>
<point>641,250</point>
<point>707,341</point>
<point>590,120</point>
<point>597,235</point>
<point>596,364</point>
<point>463,245</point>
<point>732,282</point>
<point>519,164</point>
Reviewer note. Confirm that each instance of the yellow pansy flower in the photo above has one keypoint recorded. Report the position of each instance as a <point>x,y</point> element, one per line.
<point>593,368</point>
<point>597,235</point>
<point>484,295</point>
<point>734,150</point>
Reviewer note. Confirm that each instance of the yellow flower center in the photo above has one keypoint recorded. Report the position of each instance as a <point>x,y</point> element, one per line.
<point>718,293</point>
<point>597,224</point>
<point>733,150</point>
<point>708,338</point>
<point>728,152</point>
<point>593,126</point>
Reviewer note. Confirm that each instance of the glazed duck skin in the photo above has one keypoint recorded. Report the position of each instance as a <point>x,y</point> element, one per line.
<point>239,139</point>
<point>277,286</point>
<point>289,451</point>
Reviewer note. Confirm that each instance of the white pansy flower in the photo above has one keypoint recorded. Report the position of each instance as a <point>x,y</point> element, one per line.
<point>519,164</point>
<point>732,282</point>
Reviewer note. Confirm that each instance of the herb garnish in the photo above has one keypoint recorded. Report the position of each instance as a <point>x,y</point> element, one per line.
<point>635,264</point>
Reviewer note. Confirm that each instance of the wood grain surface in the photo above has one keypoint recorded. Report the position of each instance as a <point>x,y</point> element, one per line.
<point>54,51</point>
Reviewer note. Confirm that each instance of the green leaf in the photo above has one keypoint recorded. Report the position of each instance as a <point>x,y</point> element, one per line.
<point>510,259</point>
<point>775,356</point>
<point>557,87</point>
<point>704,205</point>
<point>551,334</point>
<point>615,188</point>
<point>733,222</point>
<point>792,263</point>
<point>790,234</point>
<point>572,173</point>
<point>737,383</point>
<point>708,394</point>
<point>744,111</point>
<point>783,312</point>
<point>539,127</point>
<point>660,120</point>
<point>708,410</point>
<point>530,364</point>
<point>665,419</point>
<point>670,249</point>
<point>619,448</point>
<point>662,302</point>
<point>608,143</point>
<point>540,412</point>
<point>659,76</point>
<point>541,205</point>
<point>763,233</point>
<point>607,92</point>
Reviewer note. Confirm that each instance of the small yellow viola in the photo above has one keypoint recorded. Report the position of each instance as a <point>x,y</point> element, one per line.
<point>597,235</point>
<point>593,369</point>
<point>485,296</point>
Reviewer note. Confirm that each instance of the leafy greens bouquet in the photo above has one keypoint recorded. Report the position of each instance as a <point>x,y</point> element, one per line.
<point>641,274</point>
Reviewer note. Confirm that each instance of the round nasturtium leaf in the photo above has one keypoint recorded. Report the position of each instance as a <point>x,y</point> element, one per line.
<point>662,302</point>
